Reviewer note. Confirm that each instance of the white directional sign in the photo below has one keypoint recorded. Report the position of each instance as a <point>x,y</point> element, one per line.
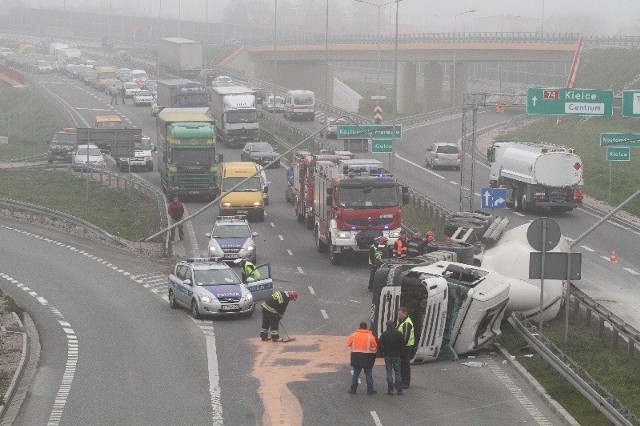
<point>493,198</point>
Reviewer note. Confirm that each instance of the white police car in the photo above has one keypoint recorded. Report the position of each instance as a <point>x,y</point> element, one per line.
<point>231,238</point>
<point>210,288</point>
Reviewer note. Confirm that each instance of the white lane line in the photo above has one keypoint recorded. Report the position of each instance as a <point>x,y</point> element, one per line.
<point>311,290</point>
<point>605,258</point>
<point>214,378</point>
<point>477,194</point>
<point>376,419</point>
<point>300,270</point>
<point>518,214</point>
<point>588,248</point>
<point>420,167</point>
<point>290,252</point>
<point>569,239</point>
<point>281,237</point>
<point>631,271</point>
<point>324,314</point>
<point>273,225</point>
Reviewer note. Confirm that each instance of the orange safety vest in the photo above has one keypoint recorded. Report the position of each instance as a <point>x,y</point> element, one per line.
<point>362,341</point>
<point>399,249</point>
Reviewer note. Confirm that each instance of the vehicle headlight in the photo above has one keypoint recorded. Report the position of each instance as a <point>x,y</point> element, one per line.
<point>343,234</point>
<point>206,299</point>
<point>213,250</point>
<point>257,204</point>
<point>250,247</point>
<point>226,205</point>
<point>394,234</point>
<point>248,297</point>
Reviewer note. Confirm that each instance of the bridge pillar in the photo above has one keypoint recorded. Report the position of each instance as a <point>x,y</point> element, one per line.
<point>461,86</point>
<point>432,93</point>
<point>406,101</point>
<point>307,75</point>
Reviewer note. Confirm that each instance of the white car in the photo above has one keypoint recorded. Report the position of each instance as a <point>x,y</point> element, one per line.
<point>143,97</point>
<point>140,77</point>
<point>268,104</point>
<point>43,66</point>
<point>87,157</point>
<point>130,89</point>
<point>442,154</point>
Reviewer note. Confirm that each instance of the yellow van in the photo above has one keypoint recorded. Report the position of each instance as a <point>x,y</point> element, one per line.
<point>102,76</point>
<point>247,199</point>
<point>108,122</point>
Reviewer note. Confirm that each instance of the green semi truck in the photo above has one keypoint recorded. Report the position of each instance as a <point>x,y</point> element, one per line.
<point>188,163</point>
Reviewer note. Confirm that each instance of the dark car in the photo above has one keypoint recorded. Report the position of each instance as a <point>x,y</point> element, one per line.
<point>260,153</point>
<point>62,146</point>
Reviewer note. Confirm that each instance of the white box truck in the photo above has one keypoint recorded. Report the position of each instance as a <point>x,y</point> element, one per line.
<point>181,56</point>
<point>234,110</point>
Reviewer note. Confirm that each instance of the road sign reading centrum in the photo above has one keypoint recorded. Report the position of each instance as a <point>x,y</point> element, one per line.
<point>565,101</point>
<point>367,131</point>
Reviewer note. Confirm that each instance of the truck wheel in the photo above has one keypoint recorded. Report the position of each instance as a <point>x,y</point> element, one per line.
<point>321,247</point>
<point>516,201</point>
<point>172,301</point>
<point>334,256</point>
<point>464,251</point>
<point>195,313</point>
<point>524,204</point>
<point>260,216</point>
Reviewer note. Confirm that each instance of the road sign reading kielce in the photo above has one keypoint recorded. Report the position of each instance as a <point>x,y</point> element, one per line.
<point>368,131</point>
<point>565,101</point>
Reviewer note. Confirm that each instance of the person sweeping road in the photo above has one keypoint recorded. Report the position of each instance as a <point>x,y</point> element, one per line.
<point>273,310</point>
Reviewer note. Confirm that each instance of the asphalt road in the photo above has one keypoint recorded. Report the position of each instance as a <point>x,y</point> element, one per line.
<point>140,361</point>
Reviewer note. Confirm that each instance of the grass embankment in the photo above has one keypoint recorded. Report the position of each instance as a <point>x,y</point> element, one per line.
<point>108,208</point>
<point>29,121</point>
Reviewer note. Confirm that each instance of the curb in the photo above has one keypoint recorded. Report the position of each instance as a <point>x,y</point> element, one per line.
<point>18,374</point>
<point>537,387</point>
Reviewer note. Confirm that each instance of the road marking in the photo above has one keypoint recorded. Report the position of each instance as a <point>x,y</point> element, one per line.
<point>376,419</point>
<point>324,314</point>
<point>281,237</point>
<point>300,270</point>
<point>214,378</point>
<point>631,271</point>
<point>290,252</point>
<point>311,290</point>
<point>420,167</point>
<point>477,194</point>
<point>273,225</point>
<point>588,248</point>
<point>605,258</point>
<point>569,239</point>
<point>518,214</point>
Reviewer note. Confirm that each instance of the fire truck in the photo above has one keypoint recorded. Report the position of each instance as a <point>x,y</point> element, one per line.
<point>354,202</point>
<point>303,164</point>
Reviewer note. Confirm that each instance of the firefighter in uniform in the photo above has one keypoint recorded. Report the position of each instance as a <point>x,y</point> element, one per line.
<point>405,326</point>
<point>272,311</point>
<point>249,270</point>
<point>377,252</point>
<point>400,246</point>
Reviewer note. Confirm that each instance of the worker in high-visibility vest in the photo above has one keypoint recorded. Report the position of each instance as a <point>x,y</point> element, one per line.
<point>405,326</point>
<point>400,246</point>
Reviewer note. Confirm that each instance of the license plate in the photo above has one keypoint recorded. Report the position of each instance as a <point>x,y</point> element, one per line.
<point>230,307</point>
<point>243,211</point>
<point>231,256</point>
<point>194,192</point>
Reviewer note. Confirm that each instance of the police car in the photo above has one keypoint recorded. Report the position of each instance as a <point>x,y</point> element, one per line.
<point>231,238</point>
<point>210,288</point>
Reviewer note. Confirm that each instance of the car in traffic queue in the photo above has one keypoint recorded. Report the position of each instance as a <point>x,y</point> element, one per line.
<point>123,74</point>
<point>62,146</point>
<point>261,153</point>
<point>143,97</point>
<point>88,157</point>
<point>441,154</point>
<point>231,238</point>
<point>140,77</point>
<point>268,103</point>
<point>211,288</point>
<point>332,127</point>
<point>130,89</point>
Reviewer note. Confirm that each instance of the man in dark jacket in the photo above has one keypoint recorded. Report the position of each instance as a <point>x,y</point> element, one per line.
<point>391,344</point>
<point>363,356</point>
<point>405,326</point>
<point>176,211</point>
<point>272,311</point>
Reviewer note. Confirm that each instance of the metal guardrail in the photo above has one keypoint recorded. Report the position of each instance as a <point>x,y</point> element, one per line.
<point>602,399</point>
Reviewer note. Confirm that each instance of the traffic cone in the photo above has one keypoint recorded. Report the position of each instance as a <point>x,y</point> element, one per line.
<point>613,258</point>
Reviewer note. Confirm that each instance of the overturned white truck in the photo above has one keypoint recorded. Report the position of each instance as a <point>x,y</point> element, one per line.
<point>536,175</point>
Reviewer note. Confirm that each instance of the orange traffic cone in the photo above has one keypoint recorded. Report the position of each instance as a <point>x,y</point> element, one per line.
<point>613,258</point>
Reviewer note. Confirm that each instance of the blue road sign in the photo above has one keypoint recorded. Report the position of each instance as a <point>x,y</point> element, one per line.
<point>493,198</point>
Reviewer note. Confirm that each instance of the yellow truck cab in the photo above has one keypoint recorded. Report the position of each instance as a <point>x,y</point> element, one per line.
<point>104,73</point>
<point>108,122</point>
<point>247,199</point>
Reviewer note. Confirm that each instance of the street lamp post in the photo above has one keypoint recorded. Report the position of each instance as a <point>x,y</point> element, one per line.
<point>502,31</point>
<point>542,21</point>
<point>453,82</point>
<point>275,52</point>
<point>326,66</point>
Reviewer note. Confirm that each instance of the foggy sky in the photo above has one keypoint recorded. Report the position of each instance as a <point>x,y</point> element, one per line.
<point>587,16</point>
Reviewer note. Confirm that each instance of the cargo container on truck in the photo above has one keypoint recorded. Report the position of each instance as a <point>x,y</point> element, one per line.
<point>180,93</point>
<point>187,159</point>
<point>181,56</point>
<point>234,111</point>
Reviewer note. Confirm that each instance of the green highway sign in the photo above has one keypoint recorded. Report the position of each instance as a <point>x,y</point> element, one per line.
<point>618,153</point>
<point>630,103</point>
<point>381,145</point>
<point>620,139</point>
<point>368,131</point>
<point>565,101</point>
